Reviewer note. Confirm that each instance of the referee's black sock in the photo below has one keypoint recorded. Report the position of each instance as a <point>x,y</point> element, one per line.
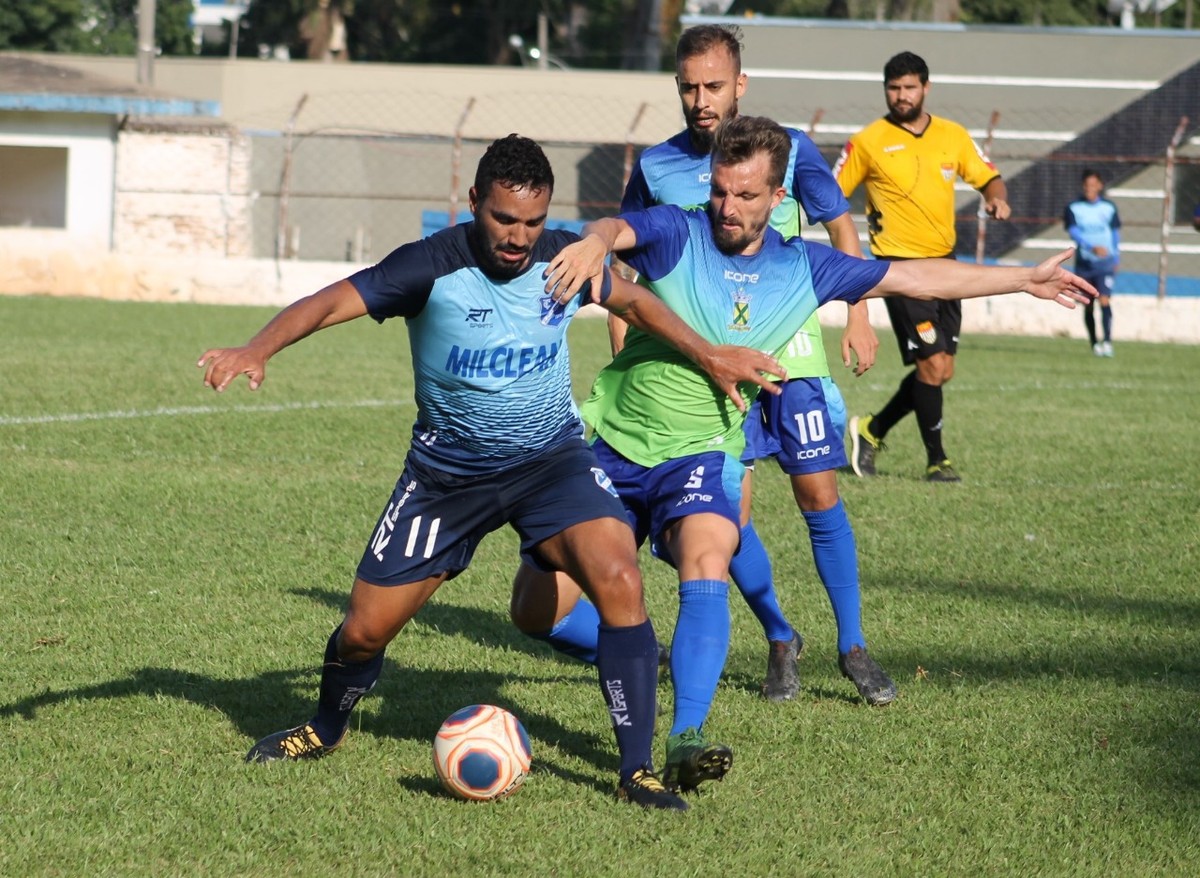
<point>897,407</point>
<point>927,400</point>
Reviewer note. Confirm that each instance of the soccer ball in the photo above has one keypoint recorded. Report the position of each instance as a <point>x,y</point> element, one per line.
<point>481,753</point>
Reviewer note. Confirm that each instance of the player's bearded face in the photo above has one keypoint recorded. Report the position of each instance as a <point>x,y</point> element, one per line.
<point>709,88</point>
<point>906,98</point>
<point>508,221</point>
<point>740,203</point>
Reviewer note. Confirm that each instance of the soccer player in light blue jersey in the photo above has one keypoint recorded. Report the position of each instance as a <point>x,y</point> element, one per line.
<point>1094,225</point>
<point>497,440</point>
<point>672,446</point>
<point>802,427</point>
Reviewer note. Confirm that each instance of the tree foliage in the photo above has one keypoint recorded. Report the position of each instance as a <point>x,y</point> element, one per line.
<point>100,27</point>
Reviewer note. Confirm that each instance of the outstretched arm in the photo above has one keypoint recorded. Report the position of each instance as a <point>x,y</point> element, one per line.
<point>859,336</point>
<point>949,279</point>
<point>330,306</point>
<point>727,365</point>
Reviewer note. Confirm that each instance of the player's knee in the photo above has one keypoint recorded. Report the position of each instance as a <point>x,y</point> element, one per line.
<point>359,641</point>
<point>617,584</point>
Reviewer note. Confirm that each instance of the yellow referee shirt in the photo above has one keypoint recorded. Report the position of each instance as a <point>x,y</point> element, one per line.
<point>910,183</point>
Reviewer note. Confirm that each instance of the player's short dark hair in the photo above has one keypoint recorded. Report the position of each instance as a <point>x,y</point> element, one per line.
<point>905,64</point>
<point>1091,172</point>
<point>703,38</point>
<point>743,137</point>
<point>515,162</point>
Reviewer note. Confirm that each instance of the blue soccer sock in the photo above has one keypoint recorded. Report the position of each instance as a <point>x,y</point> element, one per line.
<point>698,649</point>
<point>751,572</point>
<point>342,685</point>
<point>627,659</point>
<point>836,558</point>
<point>575,634</point>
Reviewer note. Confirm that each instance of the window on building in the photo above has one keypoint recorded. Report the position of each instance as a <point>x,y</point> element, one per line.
<point>33,187</point>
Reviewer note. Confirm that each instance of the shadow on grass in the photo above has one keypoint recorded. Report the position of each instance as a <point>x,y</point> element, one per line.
<point>412,705</point>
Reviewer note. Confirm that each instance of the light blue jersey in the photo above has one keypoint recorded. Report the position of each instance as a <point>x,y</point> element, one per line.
<point>492,374</point>
<point>1094,224</point>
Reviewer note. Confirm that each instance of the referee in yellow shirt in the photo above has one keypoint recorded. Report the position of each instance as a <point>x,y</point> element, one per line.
<point>909,161</point>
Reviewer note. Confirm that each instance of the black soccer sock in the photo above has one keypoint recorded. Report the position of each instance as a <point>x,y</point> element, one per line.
<point>897,407</point>
<point>927,400</point>
<point>1089,320</point>
<point>627,659</point>
<point>1106,320</point>
<point>342,685</point>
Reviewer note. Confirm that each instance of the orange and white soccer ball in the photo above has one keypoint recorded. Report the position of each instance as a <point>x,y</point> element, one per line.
<point>481,753</point>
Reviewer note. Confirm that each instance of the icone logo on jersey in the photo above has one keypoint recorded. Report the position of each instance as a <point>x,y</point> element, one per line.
<point>741,277</point>
<point>705,177</point>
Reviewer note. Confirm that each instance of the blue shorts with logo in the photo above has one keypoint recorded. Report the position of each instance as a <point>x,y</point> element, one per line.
<point>801,428</point>
<point>656,496</point>
<point>434,521</point>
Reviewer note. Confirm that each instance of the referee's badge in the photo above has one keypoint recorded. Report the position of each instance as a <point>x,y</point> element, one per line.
<point>948,173</point>
<point>927,332</point>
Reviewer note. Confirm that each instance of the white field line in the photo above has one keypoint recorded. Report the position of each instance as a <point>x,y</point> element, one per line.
<point>185,411</point>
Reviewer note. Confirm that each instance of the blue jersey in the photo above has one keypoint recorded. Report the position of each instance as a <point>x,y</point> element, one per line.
<point>651,404</point>
<point>673,172</point>
<point>1093,224</point>
<point>490,362</point>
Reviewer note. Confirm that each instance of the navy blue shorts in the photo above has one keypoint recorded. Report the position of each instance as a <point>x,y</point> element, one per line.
<point>434,521</point>
<point>801,428</point>
<point>656,496</point>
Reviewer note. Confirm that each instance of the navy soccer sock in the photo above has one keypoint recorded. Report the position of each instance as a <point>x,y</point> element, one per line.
<point>897,407</point>
<point>1089,321</point>
<point>576,633</point>
<point>342,685</point>
<point>627,659</point>
<point>836,558</point>
<point>698,649</point>
<point>1106,321</point>
<point>927,400</point>
<point>751,572</point>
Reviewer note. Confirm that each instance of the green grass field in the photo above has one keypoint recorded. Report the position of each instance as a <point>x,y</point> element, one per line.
<point>173,561</point>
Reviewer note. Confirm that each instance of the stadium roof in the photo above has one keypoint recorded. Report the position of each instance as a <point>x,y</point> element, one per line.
<point>38,86</point>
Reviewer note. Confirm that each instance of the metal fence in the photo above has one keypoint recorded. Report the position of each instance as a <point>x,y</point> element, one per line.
<point>327,186</point>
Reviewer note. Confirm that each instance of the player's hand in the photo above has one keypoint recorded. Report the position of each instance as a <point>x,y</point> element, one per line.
<point>729,365</point>
<point>225,364</point>
<point>1050,280</point>
<point>998,209</point>
<point>859,337</point>
<point>574,266</point>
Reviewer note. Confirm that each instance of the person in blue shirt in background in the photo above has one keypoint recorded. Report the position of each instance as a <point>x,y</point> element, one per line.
<point>1094,225</point>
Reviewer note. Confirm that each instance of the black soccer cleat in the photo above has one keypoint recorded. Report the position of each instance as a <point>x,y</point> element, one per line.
<point>875,687</point>
<point>941,471</point>
<point>645,789</point>
<point>298,743</point>
<point>783,676</point>
<point>692,759</point>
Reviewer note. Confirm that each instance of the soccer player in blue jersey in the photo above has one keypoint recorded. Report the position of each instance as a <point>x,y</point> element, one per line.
<point>670,445</point>
<point>1094,225</point>
<point>802,427</point>
<point>497,440</point>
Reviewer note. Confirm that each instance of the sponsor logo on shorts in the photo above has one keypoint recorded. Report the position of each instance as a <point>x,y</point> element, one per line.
<point>695,478</point>
<point>810,453</point>
<point>927,332</point>
<point>604,481</point>
<point>694,497</point>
